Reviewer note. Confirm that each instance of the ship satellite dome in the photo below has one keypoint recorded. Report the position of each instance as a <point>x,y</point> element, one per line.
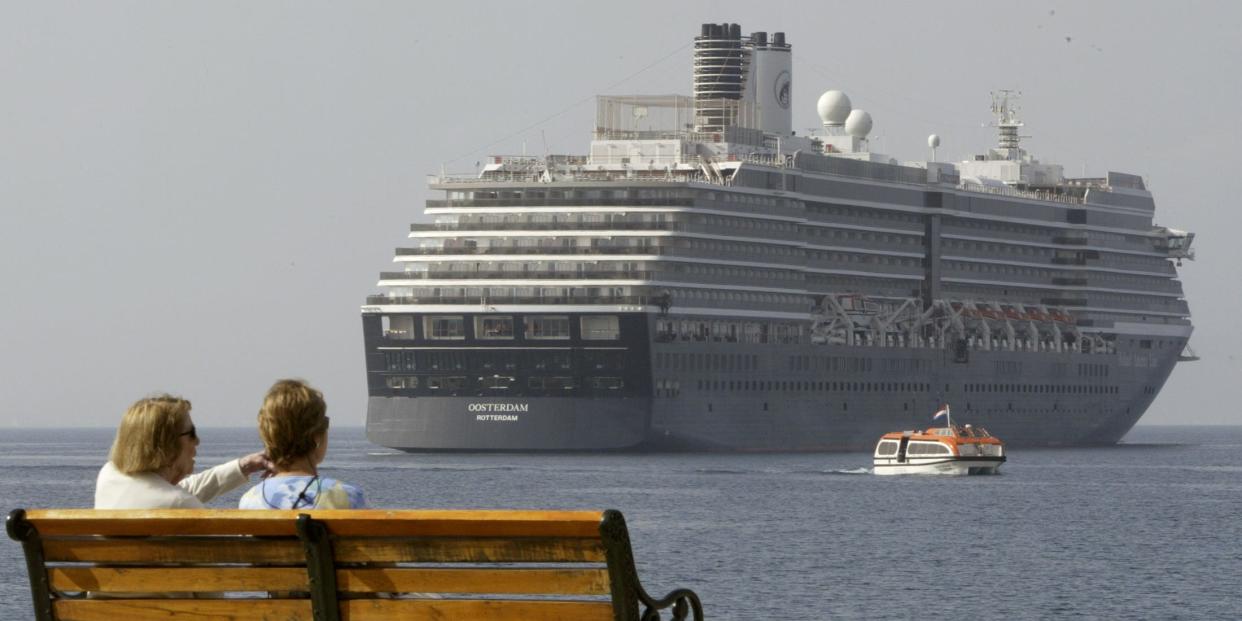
<point>858,124</point>
<point>833,107</point>
<point>933,141</point>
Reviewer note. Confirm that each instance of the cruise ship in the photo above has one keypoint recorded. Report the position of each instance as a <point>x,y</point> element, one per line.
<point>705,278</point>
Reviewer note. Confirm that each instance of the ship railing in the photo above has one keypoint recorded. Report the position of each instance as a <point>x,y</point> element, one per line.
<point>532,275</point>
<point>858,169</point>
<point>562,202</point>
<point>520,250</point>
<point>593,251</point>
<point>647,175</point>
<point>1039,195</point>
<point>568,226</point>
<point>492,300</point>
<point>788,278</point>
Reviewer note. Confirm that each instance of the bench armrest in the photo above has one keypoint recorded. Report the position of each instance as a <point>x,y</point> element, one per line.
<point>627,591</point>
<point>682,601</point>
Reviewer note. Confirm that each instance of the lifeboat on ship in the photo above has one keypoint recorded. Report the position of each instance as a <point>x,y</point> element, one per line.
<point>950,449</point>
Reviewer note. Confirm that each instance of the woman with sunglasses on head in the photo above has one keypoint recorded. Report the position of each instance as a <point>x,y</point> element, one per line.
<point>152,461</point>
<point>293,424</point>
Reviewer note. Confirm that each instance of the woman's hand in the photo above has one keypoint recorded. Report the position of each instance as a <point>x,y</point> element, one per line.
<point>256,462</point>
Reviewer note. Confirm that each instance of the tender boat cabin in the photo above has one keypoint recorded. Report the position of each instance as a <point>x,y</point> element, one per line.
<point>939,450</point>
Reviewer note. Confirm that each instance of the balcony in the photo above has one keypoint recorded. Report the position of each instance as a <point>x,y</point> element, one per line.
<point>562,202</point>
<point>1071,239</point>
<point>626,300</point>
<point>568,225</point>
<point>534,275</point>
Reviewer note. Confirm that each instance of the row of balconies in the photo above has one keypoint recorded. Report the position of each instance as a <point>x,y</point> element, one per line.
<point>562,202</point>
<point>792,279</point>
<point>569,251</point>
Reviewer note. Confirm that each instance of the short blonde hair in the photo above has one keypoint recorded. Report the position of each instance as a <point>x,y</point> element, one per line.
<point>148,439</point>
<point>291,420</point>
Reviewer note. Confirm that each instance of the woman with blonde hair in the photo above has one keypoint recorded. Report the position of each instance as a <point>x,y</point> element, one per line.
<point>293,424</point>
<point>151,462</point>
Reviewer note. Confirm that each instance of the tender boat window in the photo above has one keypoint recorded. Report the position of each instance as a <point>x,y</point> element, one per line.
<point>547,327</point>
<point>445,327</point>
<point>398,326</point>
<point>493,327</point>
<point>886,448</point>
<point>600,328</point>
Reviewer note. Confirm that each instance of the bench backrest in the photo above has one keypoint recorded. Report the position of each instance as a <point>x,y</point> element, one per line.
<point>327,565</point>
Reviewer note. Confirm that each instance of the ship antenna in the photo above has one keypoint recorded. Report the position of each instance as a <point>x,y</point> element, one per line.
<point>1005,107</point>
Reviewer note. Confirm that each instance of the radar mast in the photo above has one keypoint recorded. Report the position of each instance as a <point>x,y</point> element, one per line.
<point>1005,107</point>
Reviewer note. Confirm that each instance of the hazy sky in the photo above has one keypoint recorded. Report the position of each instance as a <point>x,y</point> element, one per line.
<point>197,197</point>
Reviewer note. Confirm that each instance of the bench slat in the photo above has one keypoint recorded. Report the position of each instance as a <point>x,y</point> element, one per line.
<point>201,551</point>
<point>132,522</point>
<point>469,550</point>
<point>474,610</point>
<point>183,609</point>
<point>164,579</point>
<point>525,580</point>
<point>62,522</point>
<point>462,523</point>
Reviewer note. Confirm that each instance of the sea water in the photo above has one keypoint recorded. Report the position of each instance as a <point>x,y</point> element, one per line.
<point>1147,529</point>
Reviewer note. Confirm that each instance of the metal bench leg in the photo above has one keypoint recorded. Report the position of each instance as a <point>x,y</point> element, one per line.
<point>20,529</point>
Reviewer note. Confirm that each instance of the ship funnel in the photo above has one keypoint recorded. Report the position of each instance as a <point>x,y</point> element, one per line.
<point>719,75</point>
<point>742,81</point>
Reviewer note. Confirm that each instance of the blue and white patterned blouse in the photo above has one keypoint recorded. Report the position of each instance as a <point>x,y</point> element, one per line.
<point>302,492</point>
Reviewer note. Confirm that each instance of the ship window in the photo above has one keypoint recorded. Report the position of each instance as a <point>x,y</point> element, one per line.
<point>398,326</point>
<point>442,360</point>
<point>606,383</point>
<point>399,361</point>
<point>493,327</point>
<point>886,448</point>
<point>547,327</point>
<point>446,383</point>
<point>445,327</point>
<point>496,382</point>
<point>402,382</point>
<point>551,383</point>
<point>600,328</point>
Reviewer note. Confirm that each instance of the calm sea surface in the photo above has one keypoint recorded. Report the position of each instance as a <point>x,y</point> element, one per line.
<point>1149,529</point>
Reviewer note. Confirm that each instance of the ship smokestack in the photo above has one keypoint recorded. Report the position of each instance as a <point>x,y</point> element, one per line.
<point>719,76</point>
<point>742,82</point>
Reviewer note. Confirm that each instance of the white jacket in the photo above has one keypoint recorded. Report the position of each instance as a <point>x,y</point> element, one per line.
<point>117,490</point>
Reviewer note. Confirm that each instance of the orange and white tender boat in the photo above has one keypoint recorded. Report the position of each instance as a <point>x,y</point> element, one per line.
<point>940,450</point>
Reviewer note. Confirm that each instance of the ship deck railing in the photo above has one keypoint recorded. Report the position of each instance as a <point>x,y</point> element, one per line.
<point>653,175</point>
<point>598,251</point>
<point>562,202</point>
<point>767,278</point>
<point>1016,193</point>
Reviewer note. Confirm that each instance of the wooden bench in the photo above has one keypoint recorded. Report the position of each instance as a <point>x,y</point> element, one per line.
<point>327,565</point>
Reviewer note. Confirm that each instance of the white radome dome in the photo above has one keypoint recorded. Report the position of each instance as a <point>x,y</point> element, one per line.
<point>933,141</point>
<point>858,124</point>
<point>833,107</point>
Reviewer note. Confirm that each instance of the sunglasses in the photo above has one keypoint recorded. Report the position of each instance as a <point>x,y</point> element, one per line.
<point>193,433</point>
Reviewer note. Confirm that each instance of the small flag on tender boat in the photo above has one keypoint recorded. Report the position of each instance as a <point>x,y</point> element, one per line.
<point>943,411</point>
